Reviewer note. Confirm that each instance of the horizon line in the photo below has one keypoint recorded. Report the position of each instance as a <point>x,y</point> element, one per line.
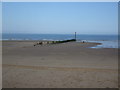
<point>60,33</point>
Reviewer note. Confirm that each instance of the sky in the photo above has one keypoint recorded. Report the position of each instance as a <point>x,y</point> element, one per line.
<point>60,17</point>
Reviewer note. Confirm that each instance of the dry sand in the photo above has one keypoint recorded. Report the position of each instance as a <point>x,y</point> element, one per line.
<point>67,65</point>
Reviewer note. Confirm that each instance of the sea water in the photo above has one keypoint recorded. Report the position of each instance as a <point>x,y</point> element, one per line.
<point>108,41</point>
<point>106,44</point>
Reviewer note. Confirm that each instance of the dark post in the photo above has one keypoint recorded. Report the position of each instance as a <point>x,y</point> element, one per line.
<point>75,35</point>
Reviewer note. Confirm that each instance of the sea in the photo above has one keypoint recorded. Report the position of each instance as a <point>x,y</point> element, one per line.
<point>107,41</point>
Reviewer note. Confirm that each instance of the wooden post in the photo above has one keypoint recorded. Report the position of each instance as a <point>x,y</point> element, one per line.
<point>75,35</point>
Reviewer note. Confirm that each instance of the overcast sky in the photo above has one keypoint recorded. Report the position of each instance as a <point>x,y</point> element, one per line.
<point>60,17</point>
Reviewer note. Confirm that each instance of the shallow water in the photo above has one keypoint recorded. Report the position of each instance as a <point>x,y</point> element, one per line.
<point>106,44</point>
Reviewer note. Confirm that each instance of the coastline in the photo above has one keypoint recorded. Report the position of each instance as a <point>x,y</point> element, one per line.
<point>101,43</point>
<point>67,65</point>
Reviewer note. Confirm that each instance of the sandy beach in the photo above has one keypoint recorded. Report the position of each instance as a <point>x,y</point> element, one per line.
<point>66,65</point>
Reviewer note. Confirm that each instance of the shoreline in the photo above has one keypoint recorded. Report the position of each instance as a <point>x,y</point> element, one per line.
<point>99,44</point>
<point>31,43</point>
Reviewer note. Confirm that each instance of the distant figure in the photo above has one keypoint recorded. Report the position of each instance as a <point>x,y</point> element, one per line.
<point>83,41</point>
<point>40,43</point>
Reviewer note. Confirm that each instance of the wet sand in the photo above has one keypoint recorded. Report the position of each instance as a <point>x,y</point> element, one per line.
<point>66,65</point>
